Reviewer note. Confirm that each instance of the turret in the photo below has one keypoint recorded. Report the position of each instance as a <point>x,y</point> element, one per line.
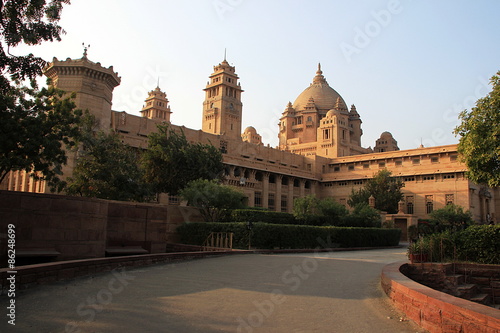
<point>222,108</point>
<point>92,83</point>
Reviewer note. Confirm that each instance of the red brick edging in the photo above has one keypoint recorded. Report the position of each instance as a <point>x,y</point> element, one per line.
<point>436,311</point>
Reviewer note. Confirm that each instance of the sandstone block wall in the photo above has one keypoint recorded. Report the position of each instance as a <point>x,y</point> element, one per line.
<point>80,228</point>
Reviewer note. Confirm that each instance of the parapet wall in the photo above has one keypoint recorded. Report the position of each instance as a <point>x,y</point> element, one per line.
<point>71,228</point>
<point>436,311</point>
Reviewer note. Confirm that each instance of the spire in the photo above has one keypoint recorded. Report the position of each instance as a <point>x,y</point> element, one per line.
<point>338,103</point>
<point>225,54</point>
<point>319,78</point>
<point>85,48</point>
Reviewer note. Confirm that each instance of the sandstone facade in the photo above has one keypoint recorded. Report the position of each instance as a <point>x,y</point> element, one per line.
<point>319,149</point>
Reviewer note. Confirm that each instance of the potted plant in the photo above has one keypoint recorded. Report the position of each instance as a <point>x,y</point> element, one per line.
<point>418,251</point>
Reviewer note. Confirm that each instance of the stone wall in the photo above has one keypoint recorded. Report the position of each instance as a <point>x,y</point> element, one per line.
<point>436,311</point>
<point>58,227</point>
<point>474,282</point>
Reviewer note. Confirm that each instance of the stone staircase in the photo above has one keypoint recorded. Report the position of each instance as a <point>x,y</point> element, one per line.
<point>461,285</point>
<point>474,283</point>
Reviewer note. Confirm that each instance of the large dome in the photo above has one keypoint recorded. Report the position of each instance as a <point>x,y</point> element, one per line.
<point>325,97</point>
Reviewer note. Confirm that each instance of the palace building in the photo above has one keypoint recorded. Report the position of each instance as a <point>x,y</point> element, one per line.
<point>319,150</point>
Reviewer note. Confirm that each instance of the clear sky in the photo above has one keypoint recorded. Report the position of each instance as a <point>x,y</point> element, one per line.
<point>409,66</point>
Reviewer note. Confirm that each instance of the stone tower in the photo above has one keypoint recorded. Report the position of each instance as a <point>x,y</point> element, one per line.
<point>319,123</point>
<point>222,107</point>
<point>156,106</point>
<point>92,83</point>
<point>93,86</point>
<point>386,142</point>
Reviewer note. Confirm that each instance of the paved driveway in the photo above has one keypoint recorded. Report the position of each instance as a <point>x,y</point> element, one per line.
<point>289,293</point>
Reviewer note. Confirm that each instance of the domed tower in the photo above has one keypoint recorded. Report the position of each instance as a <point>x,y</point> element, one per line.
<point>385,143</point>
<point>156,106</point>
<point>222,108</point>
<point>250,135</point>
<point>92,83</point>
<point>303,131</point>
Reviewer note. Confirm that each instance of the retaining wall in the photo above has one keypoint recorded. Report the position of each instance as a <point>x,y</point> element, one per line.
<point>78,228</point>
<point>434,310</point>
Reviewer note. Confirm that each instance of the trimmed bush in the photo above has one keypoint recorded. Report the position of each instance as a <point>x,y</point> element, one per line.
<point>252,215</point>
<point>271,236</point>
<point>479,244</point>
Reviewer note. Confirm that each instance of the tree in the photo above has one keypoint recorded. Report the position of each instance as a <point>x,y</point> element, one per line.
<point>215,201</point>
<point>35,125</point>
<point>312,210</point>
<point>363,216</point>
<point>29,22</point>
<point>334,212</point>
<point>479,144</point>
<point>106,168</point>
<point>451,217</point>
<point>305,206</point>
<point>385,189</point>
<point>171,162</point>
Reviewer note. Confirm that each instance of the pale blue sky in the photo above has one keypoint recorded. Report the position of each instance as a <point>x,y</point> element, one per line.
<point>408,66</point>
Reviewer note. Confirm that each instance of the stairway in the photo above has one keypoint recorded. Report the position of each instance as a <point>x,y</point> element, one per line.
<point>458,286</point>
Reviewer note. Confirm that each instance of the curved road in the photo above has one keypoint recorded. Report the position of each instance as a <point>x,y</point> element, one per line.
<point>289,293</point>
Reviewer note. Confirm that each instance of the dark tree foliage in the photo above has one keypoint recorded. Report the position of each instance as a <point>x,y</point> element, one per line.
<point>35,128</point>
<point>31,23</point>
<point>215,201</point>
<point>35,125</point>
<point>451,217</point>
<point>479,144</point>
<point>106,167</point>
<point>171,162</point>
<point>385,189</point>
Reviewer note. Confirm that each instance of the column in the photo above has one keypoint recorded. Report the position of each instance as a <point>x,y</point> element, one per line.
<point>265,189</point>
<point>17,182</point>
<point>10,183</point>
<point>277,196</point>
<point>24,181</point>
<point>314,184</point>
<point>302,184</point>
<point>290,194</point>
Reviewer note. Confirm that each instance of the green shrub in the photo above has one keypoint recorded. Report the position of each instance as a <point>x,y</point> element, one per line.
<point>363,216</point>
<point>270,236</point>
<point>267,216</point>
<point>478,243</point>
<point>451,217</point>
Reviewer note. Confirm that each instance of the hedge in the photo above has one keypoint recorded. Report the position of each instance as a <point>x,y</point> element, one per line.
<point>477,243</point>
<point>271,236</point>
<point>252,215</point>
<point>266,216</point>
